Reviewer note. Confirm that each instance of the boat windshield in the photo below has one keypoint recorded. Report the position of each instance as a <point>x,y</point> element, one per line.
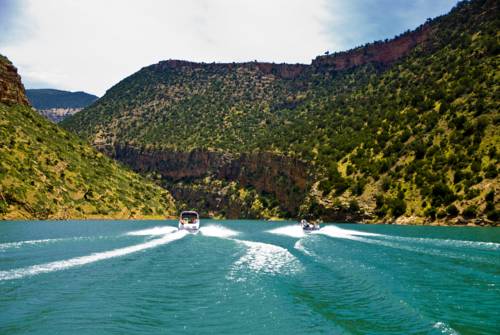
<point>189,217</point>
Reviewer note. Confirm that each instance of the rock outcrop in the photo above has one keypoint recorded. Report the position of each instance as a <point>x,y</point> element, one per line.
<point>58,114</point>
<point>383,53</point>
<point>11,88</point>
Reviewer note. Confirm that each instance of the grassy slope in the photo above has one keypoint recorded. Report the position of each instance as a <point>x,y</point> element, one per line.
<point>47,172</point>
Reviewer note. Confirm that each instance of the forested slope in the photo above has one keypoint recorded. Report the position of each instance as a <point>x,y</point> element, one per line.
<point>403,129</point>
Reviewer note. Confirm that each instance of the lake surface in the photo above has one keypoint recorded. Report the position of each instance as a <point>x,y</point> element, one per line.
<point>237,277</point>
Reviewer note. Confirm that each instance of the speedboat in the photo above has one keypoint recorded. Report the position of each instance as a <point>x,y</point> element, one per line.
<point>190,221</point>
<point>309,226</point>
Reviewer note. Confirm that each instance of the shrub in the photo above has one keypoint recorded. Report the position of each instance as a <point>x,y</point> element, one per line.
<point>353,206</point>
<point>489,206</point>
<point>379,201</point>
<point>490,196</point>
<point>490,172</point>
<point>469,212</point>
<point>325,186</point>
<point>381,212</point>
<point>493,215</point>
<point>386,184</point>
<point>349,169</point>
<point>397,207</point>
<point>442,195</point>
<point>3,207</point>
<point>471,193</point>
<point>452,210</point>
<point>430,212</point>
<point>359,187</point>
<point>340,186</point>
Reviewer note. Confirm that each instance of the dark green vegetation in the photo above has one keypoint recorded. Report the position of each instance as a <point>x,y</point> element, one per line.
<point>50,98</point>
<point>413,135</point>
<point>47,172</point>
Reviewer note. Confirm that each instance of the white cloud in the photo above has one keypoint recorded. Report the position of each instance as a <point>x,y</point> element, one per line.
<point>91,45</point>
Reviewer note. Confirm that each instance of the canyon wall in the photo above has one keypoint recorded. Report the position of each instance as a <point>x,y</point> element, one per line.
<point>284,178</point>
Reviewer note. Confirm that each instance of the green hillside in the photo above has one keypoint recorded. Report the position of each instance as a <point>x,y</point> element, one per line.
<point>48,173</point>
<point>373,134</point>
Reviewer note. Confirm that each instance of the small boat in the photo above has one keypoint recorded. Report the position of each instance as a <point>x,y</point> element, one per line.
<point>190,221</point>
<point>309,226</point>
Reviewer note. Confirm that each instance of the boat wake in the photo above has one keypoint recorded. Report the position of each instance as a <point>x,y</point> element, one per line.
<point>447,242</point>
<point>336,232</point>
<point>292,231</point>
<point>331,231</point>
<point>410,244</point>
<point>78,261</point>
<point>264,258</point>
<point>300,247</point>
<point>9,245</point>
<point>218,231</point>
<point>445,328</point>
<point>155,231</point>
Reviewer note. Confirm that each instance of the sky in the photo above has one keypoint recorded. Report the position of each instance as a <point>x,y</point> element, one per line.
<point>93,44</point>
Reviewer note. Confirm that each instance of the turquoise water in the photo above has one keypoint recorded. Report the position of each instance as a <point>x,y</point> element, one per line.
<point>234,277</point>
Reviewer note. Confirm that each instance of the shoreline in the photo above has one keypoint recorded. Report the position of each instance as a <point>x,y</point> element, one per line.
<point>402,221</point>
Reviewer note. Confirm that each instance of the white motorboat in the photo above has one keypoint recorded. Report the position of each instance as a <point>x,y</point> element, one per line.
<point>309,226</point>
<point>190,221</point>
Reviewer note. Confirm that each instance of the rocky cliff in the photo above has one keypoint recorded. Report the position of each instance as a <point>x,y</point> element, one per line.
<point>285,179</point>
<point>11,88</point>
<point>383,53</point>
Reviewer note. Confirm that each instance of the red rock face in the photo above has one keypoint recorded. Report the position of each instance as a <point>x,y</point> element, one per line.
<point>11,88</point>
<point>383,52</point>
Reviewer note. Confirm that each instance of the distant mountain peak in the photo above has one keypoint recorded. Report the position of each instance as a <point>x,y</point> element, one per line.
<point>45,98</point>
<point>58,104</point>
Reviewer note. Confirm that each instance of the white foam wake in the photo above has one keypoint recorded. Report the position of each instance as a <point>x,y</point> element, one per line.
<point>163,230</point>
<point>9,245</point>
<point>78,261</point>
<point>19,244</point>
<point>300,247</point>
<point>264,258</point>
<point>292,231</point>
<point>217,231</point>
<point>334,231</point>
<point>448,242</point>
<point>445,328</point>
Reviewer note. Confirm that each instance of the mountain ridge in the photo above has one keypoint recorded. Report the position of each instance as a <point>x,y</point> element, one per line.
<point>45,98</point>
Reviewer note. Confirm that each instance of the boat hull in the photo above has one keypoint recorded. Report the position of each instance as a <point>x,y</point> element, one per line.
<point>190,227</point>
